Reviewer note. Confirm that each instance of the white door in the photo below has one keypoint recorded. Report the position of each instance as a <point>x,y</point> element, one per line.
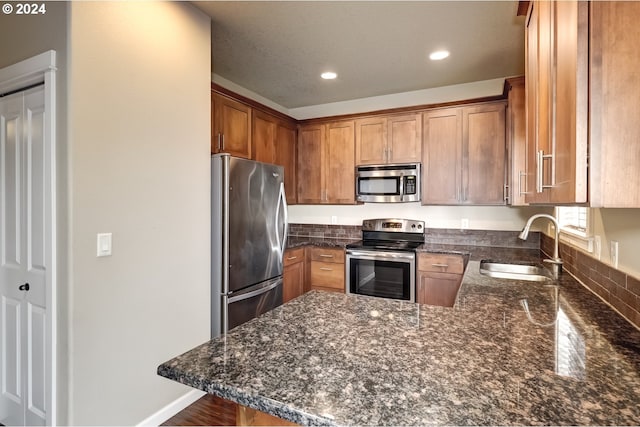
<point>23,284</point>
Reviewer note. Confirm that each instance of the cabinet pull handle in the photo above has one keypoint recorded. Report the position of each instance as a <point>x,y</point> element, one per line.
<point>219,142</point>
<point>440,265</point>
<point>222,141</point>
<point>505,193</point>
<point>326,256</point>
<point>291,258</point>
<point>520,175</point>
<point>540,185</point>
<point>326,269</point>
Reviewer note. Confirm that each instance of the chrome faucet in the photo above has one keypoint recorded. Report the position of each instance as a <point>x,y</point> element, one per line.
<point>556,262</point>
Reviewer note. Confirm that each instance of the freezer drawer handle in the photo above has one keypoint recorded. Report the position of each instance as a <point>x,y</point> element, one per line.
<point>252,294</point>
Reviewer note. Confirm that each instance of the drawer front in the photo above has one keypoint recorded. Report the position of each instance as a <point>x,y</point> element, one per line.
<point>327,255</point>
<point>293,256</point>
<point>441,263</point>
<point>327,275</point>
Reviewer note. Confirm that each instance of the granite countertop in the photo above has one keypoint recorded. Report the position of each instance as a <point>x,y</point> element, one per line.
<point>327,242</point>
<point>508,353</point>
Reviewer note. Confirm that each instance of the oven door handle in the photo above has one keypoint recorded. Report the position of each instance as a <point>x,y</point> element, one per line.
<point>381,255</point>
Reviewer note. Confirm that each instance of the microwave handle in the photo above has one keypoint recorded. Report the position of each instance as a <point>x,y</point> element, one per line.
<point>401,185</point>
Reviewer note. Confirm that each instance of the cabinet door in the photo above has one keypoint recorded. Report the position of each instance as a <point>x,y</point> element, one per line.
<point>516,142</point>
<point>310,163</point>
<point>440,156</point>
<point>571,102</point>
<point>339,168</point>
<point>404,141</point>
<point>286,157</point>
<point>293,281</point>
<point>614,109</point>
<point>232,127</point>
<point>483,155</point>
<point>371,141</point>
<point>264,137</point>
<point>438,288</point>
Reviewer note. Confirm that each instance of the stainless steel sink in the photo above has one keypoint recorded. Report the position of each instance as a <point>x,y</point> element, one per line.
<point>503,270</point>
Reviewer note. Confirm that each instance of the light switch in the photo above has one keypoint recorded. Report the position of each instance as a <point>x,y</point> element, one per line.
<point>104,244</point>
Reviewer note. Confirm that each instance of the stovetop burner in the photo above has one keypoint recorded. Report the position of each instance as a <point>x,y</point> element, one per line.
<point>390,234</point>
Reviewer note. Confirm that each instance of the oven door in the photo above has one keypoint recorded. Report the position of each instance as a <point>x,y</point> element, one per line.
<point>381,274</point>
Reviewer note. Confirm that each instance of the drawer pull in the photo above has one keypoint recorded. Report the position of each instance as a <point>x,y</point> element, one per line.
<point>326,269</point>
<point>291,258</point>
<point>326,256</point>
<point>440,265</point>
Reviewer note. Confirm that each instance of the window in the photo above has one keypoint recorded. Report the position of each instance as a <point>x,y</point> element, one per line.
<point>575,226</point>
<point>573,219</point>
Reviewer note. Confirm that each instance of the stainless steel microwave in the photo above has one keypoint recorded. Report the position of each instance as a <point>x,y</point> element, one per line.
<point>388,183</point>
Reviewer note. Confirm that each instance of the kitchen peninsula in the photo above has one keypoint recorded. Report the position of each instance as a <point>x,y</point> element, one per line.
<point>509,352</point>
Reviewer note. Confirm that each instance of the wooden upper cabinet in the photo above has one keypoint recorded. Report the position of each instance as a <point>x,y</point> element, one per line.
<point>264,137</point>
<point>441,152</point>
<point>231,130</point>
<point>614,133</point>
<point>274,141</point>
<point>371,140</point>
<point>286,157</point>
<point>388,139</point>
<point>557,61</point>
<point>311,157</point>
<point>483,155</point>
<point>404,138</point>
<point>516,141</point>
<point>464,155</point>
<point>326,163</point>
<point>340,163</point>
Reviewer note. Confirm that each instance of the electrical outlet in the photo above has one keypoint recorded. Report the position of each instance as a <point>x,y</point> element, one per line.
<point>334,219</point>
<point>464,223</point>
<point>614,254</point>
<point>597,250</point>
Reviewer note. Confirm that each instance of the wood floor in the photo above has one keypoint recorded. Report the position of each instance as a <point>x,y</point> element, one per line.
<point>209,410</point>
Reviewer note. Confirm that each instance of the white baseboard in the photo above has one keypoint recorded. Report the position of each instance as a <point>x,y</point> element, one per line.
<point>171,409</point>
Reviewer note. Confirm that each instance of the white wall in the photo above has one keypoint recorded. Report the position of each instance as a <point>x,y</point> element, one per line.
<point>480,217</point>
<point>623,226</point>
<point>139,113</point>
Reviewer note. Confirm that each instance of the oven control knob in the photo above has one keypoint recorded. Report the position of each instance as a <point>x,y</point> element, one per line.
<point>419,226</point>
<point>413,226</point>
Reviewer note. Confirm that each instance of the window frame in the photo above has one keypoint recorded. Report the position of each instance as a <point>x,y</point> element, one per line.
<point>573,236</point>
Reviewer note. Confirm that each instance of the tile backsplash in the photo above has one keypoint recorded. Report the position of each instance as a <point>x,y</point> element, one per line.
<point>618,289</point>
<point>445,236</point>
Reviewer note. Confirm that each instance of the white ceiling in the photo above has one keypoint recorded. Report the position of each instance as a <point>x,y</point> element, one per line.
<point>278,49</point>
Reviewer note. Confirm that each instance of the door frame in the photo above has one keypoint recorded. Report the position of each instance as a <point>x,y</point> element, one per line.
<point>42,69</point>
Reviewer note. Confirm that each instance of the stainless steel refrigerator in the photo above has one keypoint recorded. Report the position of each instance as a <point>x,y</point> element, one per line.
<point>248,237</point>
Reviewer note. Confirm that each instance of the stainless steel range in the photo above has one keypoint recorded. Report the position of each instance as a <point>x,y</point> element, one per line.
<point>383,263</point>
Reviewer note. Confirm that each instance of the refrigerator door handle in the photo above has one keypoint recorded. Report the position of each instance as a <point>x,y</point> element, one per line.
<point>263,290</point>
<point>282,207</point>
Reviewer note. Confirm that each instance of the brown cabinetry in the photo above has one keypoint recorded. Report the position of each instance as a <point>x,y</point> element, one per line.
<point>274,141</point>
<point>326,163</point>
<point>464,155</point>
<point>439,278</point>
<point>516,141</point>
<point>582,103</point>
<point>231,126</point>
<point>326,269</point>
<point>557,102</point>
<point>293,274</point>
<point>388,139</point>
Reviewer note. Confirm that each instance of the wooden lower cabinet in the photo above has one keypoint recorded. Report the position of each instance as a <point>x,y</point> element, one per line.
<point>293,274</point>
<point>439,278</point>
<point>326,269</point>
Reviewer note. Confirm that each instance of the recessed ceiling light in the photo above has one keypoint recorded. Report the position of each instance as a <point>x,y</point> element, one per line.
<point>328,75</point>
<point>438,55</point>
